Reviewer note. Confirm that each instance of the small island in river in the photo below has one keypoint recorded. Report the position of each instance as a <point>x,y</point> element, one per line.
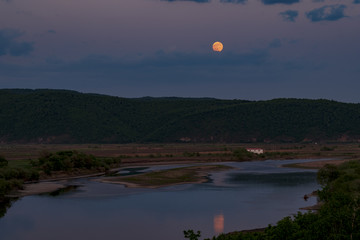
<point>155,179</point>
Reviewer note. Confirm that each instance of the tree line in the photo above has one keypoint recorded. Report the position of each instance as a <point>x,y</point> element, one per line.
<point>61,116</point>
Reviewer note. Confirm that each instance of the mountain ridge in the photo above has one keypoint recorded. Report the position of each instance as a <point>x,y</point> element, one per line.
<point>66,116</point>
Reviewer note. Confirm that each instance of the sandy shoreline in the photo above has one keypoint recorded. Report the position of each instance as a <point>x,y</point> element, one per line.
<point>57,183</point>
<point>54,184</point>
<point>135,185</point>
<point>164,178</point>
<point>39,188</point>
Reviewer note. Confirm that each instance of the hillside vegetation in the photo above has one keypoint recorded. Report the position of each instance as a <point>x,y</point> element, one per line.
<point>62,116</point>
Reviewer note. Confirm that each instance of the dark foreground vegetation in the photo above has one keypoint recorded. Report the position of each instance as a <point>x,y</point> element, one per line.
<point>338,218</point>
<point>68,161</point>
<point>60,116</point>
<point>12,177</point>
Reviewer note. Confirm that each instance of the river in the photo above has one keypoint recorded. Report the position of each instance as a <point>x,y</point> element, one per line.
<point>252,195</point>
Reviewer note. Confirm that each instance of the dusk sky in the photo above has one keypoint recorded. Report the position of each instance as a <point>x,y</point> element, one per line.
<point>135,48</point>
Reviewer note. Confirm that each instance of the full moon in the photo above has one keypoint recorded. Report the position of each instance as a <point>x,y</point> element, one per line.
<point>217,46</point>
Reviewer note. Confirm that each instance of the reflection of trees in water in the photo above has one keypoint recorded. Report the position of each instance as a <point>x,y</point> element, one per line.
<point>275,179</point>
<point>62,191</point>
<point>5,204</point>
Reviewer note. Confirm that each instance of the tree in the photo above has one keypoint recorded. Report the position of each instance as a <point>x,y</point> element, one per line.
<point>190,234</point>
<point>3,162</point>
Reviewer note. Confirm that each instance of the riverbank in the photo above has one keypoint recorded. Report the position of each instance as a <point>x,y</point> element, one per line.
<point>157,179</point>
<point>132,155</point>
<point>317,164</point>
<point>195,174</point>
<point>39,188</point>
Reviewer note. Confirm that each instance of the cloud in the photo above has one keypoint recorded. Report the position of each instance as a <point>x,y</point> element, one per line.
<point>166,60</point>
<point>10,46</point>
<point>270,2</point>
<point>276,43</point>
<point>197,1</point>
<point>289,15</point>
<point>255,57</point>
<point>356,2</point>
<point>53,60</point>
<point>327,13</point>
<point>161,68</point>
<point>234,1</point>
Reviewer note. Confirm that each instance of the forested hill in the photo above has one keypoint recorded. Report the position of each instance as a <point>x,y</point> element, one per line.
<point>62,116</point>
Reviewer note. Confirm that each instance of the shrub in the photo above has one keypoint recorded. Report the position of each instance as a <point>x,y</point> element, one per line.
<point>70,160</point>
<point>3,162</point>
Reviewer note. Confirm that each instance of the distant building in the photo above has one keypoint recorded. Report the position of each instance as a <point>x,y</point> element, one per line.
<point>255,150</point>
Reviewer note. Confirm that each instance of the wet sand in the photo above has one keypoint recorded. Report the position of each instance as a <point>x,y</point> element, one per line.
<point>39,188</point>
<point>54,184</point>
<point>157,179</point>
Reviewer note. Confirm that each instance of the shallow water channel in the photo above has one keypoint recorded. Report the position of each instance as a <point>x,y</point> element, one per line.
<point>252,195</point>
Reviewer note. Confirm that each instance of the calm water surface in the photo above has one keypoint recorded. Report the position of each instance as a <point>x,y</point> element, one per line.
<point>253,195</point>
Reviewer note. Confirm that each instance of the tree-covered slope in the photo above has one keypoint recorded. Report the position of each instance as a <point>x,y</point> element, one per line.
<point>291,120</point>
<point>61,116</point>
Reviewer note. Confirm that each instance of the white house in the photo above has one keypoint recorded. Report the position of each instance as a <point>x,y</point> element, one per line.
<point>255,150</point>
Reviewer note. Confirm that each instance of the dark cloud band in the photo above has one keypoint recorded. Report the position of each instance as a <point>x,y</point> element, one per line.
<point>289,15</point>
<point>234,1</point>
<point>10,46</point>
<point>197,1</point>
<point>327,13</point>
<point>270,2</point>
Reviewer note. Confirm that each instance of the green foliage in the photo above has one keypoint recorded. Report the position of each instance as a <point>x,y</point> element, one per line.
<point>13,178</point>
<point>71,160</point>
<point>191,235</point>
<point>60,116</point>
<point>327,174</point>
<point>8,185</point>
<point>191,154</point>
<point>242,154</point>
<point>3,162</point>
<point>19,173</point>
<point>5,204</point>
<point>326,148</point>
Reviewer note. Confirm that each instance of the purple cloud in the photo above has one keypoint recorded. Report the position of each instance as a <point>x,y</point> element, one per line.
<point>327,13</point>
<point>234,1</point>
<point>10,46</point>
<point>270,2</point>
<point>289,15</point>
<point>197,1</point>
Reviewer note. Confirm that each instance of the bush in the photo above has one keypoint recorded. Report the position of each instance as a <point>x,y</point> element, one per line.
<point>7,185</point>
<point>325,148</point>
<point>242,154</point>
<point>3,162</point>
<point>70,160</point>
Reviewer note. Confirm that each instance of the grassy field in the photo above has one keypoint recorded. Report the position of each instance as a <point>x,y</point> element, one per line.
<point>154,153</point>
